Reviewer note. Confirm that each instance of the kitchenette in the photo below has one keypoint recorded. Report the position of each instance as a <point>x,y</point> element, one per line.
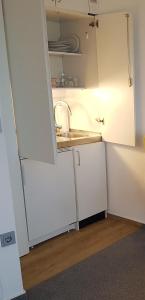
<point>72,75</point>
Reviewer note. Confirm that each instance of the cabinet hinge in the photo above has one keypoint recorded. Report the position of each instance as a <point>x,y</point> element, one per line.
<point>97,23</point>
<point>1,126</point>
<point>92,15</point>
<point>94,23</point>
<point>130,81</point>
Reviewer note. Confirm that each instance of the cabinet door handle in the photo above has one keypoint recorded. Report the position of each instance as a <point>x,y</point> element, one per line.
<point>79,158</point>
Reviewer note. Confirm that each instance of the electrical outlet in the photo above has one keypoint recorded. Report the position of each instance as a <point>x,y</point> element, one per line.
<point>8,239</point>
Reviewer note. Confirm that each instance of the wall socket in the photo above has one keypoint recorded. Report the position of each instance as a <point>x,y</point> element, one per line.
<point>8,239</point>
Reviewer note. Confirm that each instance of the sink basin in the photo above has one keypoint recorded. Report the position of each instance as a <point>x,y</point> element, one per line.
<point>77,137</point>
<point>73,135</point>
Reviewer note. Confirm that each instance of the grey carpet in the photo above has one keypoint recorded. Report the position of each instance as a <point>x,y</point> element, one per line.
<point>116,273</point>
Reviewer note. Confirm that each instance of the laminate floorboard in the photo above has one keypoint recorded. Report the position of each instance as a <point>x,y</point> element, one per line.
<point>56,255</point>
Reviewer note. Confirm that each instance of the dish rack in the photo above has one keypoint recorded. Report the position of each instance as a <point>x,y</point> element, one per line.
<point>69,45</point>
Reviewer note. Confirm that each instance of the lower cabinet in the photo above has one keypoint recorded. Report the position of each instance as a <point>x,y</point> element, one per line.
<point>58,196</point>
<point>49,196</point>
<point>90,173</point>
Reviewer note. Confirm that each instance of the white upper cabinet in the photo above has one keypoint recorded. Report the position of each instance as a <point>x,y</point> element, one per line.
<point>75,5</point>
<point>81,6</point>
<point>105,66</point>
<point>93,6</point>
<point>116,80</point>
<point>27,46</point>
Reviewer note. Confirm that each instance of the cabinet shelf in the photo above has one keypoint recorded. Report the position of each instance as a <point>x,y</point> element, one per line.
<point>59,53</point>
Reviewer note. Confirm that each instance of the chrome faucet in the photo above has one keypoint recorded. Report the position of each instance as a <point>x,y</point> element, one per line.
<point>69,112</point>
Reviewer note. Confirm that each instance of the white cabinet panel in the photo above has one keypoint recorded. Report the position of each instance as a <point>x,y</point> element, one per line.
<point>75,5</point>
<point>115,67</point>
<point>49,195</point>
<point>28,61</point>
<point>90,179</point>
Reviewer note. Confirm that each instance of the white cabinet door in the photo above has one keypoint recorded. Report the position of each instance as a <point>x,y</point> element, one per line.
<point>91,186</point>
<point>49,195</point>
<point>73,5</point>
<point>93,6</point>
<point>115,69</point>
<point>26,35</point>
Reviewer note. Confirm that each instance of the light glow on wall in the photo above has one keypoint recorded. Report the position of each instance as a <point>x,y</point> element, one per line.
<point>89,104</point>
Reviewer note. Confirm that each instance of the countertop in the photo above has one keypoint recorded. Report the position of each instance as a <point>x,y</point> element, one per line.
<point>84,137</point>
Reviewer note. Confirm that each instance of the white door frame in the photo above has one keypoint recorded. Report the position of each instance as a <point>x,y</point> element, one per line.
<point>11,143</point>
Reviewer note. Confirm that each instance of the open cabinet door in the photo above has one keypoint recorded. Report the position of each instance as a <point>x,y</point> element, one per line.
<point>26,36</point>
<point>116,82</point>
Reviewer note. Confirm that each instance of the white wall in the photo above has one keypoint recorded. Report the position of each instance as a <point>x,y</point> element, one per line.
<point>126,182</point>
<point>11,145</point>
<point>84,105</point>
<point>10,273</point>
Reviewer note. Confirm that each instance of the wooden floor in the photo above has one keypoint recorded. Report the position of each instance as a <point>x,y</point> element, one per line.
<point>58,254</point>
